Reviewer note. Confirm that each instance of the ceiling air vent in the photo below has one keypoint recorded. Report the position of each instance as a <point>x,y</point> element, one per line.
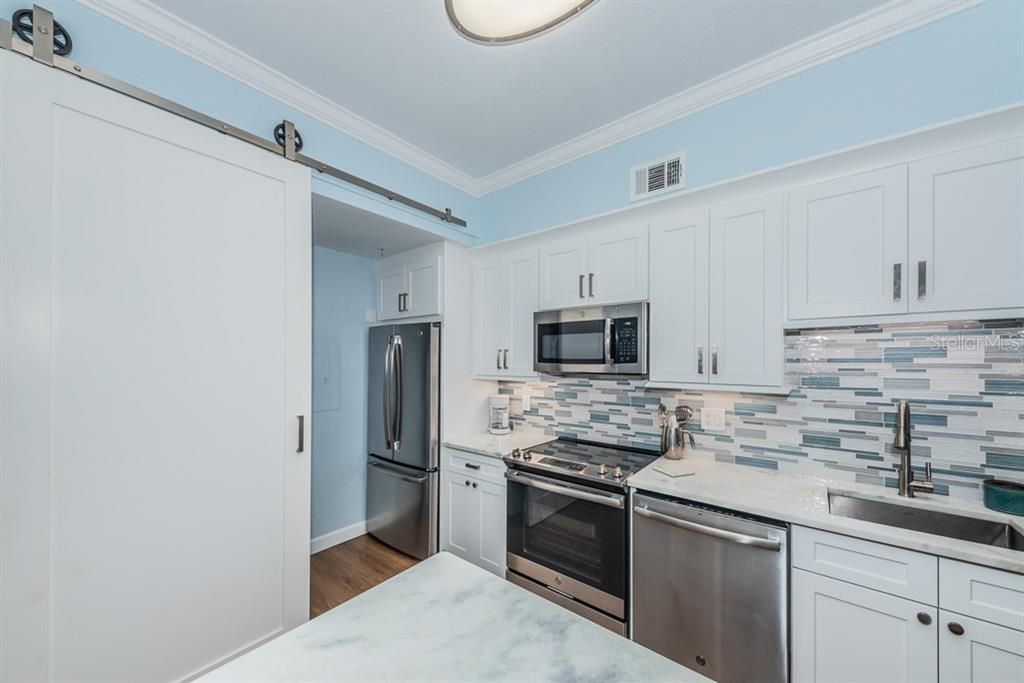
<point>658,177</point>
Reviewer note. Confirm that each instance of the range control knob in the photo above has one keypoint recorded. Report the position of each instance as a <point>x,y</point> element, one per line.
<point>602,470</point>
<point>617,474</point>
<point>527,456</point>
<point>517,454</point>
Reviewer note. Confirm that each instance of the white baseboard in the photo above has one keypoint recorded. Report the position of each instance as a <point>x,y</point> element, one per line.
<point>332,538</point>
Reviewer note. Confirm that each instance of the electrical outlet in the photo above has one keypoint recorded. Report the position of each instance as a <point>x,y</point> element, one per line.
<point>712,419</point>
<point>526,402</point>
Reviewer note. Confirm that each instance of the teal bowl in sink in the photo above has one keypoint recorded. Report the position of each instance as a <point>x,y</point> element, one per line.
<point>1004,496</point>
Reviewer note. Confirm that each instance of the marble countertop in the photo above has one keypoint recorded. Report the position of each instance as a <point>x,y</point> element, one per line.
<point>497,446</point>
<point>803,500</point>
<point>448,620</point>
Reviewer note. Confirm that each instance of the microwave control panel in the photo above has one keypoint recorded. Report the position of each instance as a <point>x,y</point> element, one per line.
<point>626,340</point>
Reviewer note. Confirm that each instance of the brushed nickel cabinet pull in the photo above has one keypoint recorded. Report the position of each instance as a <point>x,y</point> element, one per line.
<point>497,362</point>
<point>700,360</point>
<point>581,285</point>
<point>505,358</point>
<point>714,360</point>
<point>302,434</point>
<point>897,281</point>
<point>591,284</point>
<point>472,466</point>
<point>922,279</point>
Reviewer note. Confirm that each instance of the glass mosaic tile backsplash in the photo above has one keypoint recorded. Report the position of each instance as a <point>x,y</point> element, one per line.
<point>964,380</point>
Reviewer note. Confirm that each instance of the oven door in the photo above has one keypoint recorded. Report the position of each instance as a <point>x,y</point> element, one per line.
<point>568,537</point>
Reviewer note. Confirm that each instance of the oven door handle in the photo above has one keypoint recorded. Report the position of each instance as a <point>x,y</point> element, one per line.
<point>610,501</point>
<point>732,536</point>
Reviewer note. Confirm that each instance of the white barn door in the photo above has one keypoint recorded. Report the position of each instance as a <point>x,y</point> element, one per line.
<point>154,357</point>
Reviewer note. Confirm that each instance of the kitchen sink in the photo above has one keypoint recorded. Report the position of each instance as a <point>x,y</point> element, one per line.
<point>985,531</point>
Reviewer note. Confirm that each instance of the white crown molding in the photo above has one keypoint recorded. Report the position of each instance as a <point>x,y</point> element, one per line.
<point>859,32</point>
<point>165,28</point>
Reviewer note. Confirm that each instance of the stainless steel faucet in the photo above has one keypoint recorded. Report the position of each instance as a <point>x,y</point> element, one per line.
<point>906,485</point>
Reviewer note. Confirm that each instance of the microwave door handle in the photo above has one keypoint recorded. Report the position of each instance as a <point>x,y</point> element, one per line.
<point>608,330</point>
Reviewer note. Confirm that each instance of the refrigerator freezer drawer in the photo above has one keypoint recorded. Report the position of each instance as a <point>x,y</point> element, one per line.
<point>401,507</point>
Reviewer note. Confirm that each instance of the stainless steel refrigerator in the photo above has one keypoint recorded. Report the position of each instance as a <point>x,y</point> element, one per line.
<point>403,421</point>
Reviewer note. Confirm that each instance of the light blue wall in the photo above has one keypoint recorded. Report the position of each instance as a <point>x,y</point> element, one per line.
<point>112,48</point>
<point>966,63</point>
<point>342,292</point>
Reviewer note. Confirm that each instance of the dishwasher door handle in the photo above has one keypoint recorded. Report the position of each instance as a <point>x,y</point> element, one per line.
<point>732,536</point>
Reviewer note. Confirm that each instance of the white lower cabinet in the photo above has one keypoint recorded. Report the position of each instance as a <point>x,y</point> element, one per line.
<point>852,619</point>
<point>846,633</point>
<point>473,509</point>
<point>975,651</point>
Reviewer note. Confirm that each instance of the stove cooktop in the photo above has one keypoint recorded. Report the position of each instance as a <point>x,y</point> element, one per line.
<point>584,460</point>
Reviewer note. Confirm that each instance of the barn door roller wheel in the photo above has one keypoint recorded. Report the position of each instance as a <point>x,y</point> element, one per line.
<point>21,22</point>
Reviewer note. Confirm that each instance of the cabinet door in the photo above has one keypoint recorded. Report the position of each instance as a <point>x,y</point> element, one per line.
<point>563,268</point>
<point>745,295</point>
<point>423,283</point>
<point>491,315</point>
<point>459,517</point>
<point>490,542</point>
<point>522,303</point>
<point>679,298</point>
<point>390,288</point>
<point>617,261</point>
<point>967,229</point>
<point>981,653</point>
<point>845,633</point>
<point>848,246</point>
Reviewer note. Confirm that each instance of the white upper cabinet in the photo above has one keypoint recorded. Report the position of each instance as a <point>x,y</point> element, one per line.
<point>409,284</point>
<point>602,266</point>
<point>679,298</point>
<point>504,301</point>
<point>745,293</point>
<point>617,264</point>
<point>967,229</point>
<point>390,292</point>
<point>522,296</point>
<point>424,286</point>
<point>490,315</point>
<point>848,247</point>
<point>563,267</point>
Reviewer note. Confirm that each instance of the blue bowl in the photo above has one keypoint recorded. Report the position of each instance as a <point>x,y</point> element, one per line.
<point>1004,496</point>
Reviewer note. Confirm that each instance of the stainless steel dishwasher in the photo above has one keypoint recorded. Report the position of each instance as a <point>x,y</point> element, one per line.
<point>710,589</point>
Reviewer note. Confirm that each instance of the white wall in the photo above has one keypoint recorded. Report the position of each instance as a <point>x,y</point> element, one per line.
<point>342,292</point>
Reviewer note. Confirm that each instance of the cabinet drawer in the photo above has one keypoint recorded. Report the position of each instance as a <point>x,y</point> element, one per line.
<point>982,592</point>
<point>473,464</point>
<point>883,568</point>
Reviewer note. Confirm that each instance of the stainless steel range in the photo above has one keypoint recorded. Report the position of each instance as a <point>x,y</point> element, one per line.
<point>566,531</point>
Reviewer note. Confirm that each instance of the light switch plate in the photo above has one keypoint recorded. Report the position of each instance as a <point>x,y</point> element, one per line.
<point>712,419</point>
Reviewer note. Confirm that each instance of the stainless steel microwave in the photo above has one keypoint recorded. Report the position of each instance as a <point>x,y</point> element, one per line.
<point>594,340</point>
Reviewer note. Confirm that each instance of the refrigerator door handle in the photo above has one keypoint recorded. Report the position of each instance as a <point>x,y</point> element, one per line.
<point>397,371</point>
<point>388,362</point>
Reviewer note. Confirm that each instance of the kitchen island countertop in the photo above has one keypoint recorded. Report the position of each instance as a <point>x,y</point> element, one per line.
<point>447,620</point>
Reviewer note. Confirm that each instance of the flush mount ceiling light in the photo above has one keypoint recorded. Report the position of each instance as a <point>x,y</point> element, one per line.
<point>508,21</point>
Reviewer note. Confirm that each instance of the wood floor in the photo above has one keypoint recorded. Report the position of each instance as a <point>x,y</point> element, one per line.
<point>348,569</point>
